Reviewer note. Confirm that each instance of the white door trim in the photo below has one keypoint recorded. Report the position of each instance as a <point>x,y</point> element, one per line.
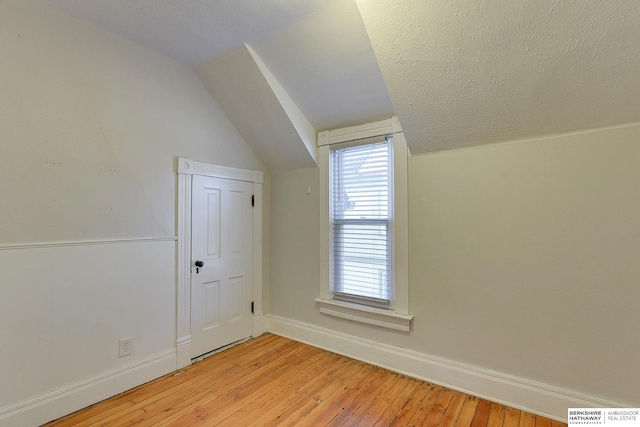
<point>186,169</point>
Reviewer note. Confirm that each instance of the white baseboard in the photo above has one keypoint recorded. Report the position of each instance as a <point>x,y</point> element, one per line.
<point>521,393</point>
<point>71,398</point>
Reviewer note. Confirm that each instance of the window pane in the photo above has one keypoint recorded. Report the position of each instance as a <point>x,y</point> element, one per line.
<point>360,184</point>
<point>361,259</point>
<point>360,188</point>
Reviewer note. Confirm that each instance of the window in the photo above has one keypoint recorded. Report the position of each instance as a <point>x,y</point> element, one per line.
<point>364,225</point>
<point>360,190</point>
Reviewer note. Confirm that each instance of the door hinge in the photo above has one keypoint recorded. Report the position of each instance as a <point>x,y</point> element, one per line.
<point>253,200</point>
<point>252,312</point>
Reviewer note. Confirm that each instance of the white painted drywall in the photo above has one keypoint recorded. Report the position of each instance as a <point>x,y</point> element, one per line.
<point>523,259</point>
<point>64,309</point>
<point>526,254</point>
<point>317,50</point>
<point>257,109</point>
<point>90,126</point>
<point>295,244</point>
<point>306,131</point>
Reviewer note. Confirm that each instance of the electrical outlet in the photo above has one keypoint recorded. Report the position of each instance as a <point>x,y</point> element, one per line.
<point>125,347</point>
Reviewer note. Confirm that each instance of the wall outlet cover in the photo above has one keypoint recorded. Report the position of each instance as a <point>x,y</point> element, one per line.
<point>125,347</point>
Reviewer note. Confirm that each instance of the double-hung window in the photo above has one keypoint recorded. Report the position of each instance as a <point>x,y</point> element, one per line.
<point>364,227</point>
<point>360,198</point>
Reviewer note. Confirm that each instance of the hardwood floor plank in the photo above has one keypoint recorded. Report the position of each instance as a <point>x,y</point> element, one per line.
<point>423,410</point>
<point>496,415</point>
<point>512,418</point>
<point>395,403</point>
<point>301,385</point>
<point>331,402</point>
<point>342,402</point>
<point>467,412</point>
<point>453,410</point>
<point>399,391</point>
<point>542,421</point>
<point>236,395</point>
<point>266,406</point>
<point>371,401</point>
<point>273,381</point>
<point>527,420</point>
<point>481,417</point>
<point>303,408</point>
<point>407,412</point>
<point>436,412</point>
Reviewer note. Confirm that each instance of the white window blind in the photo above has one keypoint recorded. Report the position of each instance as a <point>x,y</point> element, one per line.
<point>360,182</point>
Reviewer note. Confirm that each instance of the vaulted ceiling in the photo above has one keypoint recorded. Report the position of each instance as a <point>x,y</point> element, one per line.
<point>456,73</point>
<point>464,73</point>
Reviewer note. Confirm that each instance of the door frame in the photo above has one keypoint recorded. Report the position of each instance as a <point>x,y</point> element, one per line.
<point>185,170</point>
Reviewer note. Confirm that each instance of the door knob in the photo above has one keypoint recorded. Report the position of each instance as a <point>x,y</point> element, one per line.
<point>199,265</point>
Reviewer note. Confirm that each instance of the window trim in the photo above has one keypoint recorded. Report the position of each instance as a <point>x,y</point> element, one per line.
<point>398,313</point>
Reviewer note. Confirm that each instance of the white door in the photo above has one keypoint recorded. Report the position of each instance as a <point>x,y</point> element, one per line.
<point>221,262</point>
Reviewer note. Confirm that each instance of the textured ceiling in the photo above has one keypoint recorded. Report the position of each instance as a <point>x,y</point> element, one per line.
<point>457,73</point>
<point>465,73</point>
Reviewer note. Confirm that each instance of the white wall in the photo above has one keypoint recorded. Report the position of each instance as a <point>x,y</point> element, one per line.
<point>295,244</point>
<point>90,125</point>
<point>523,262</point>
<point>527,255</point>
<point>77,101</point>
<point>63,310</point>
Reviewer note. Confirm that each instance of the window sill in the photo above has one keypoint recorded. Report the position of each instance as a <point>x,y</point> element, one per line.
<point>388,319</point>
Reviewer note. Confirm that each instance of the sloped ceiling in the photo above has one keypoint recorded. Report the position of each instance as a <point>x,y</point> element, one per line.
<point>464,73</point>
<point>191,31</point>
<point>456,73</point>
<point>317,52</point>
<point>257,110</point>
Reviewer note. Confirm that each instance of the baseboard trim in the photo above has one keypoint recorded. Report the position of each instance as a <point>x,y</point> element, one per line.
<point>68,399</point>
<point>521,393</point>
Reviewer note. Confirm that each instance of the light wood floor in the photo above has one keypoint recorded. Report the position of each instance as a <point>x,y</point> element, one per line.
<point>273,381</point>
